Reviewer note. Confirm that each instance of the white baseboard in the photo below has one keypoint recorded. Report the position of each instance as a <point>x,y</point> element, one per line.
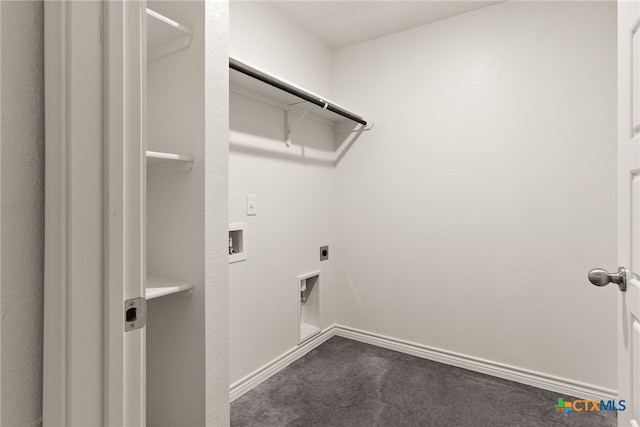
<point>250,381</point>
<point>500,370</point>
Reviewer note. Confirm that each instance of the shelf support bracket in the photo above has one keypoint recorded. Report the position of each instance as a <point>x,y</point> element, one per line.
<point>292,128</point>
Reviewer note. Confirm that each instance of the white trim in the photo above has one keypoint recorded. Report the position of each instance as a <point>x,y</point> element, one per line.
<point>54,405</point>
<point>73,381</point>
<point>496,369</point>
<point>524,376</point>
<point>0,218</point>
<point>250,381</point>
<point>124,209</point>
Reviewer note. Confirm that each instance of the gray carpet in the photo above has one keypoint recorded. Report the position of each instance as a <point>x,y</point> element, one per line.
<point>347,383</point>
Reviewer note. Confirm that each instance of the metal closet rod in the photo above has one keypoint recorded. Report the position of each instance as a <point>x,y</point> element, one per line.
<point>258,75</point>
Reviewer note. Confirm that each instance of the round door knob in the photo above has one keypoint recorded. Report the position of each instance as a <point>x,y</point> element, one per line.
<point>601,277</point>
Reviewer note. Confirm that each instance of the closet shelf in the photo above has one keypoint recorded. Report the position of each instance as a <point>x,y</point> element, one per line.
<point>158,286</point>
<point>165,36</point>
<point>244,75</point>
<point>158,162</point>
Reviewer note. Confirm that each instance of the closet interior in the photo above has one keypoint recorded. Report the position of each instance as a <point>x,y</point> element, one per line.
<point>174,214</point>
<point>284,144</point>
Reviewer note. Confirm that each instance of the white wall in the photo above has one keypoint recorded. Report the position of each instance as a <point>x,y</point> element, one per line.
<point>22,215</point>
<point>216,175</point>
<point>296,210</point>
<point>295,188</point>
<point>473,210</point>
<point>262,35</point>
<point>187,336</point>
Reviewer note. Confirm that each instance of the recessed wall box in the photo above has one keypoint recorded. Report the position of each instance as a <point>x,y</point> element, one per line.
<point>308,289</point>
<point>237,242</point>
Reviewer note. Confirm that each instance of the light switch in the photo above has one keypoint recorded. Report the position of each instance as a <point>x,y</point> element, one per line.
<point>252,204</point>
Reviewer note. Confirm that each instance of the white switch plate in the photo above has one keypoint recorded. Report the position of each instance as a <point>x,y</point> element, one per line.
<point>252,204</point>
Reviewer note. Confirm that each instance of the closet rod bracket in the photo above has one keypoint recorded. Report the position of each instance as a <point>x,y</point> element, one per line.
<point>289,129</point>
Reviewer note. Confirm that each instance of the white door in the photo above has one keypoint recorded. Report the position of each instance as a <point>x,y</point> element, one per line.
<point>94,356</point>
<point>629,209</point>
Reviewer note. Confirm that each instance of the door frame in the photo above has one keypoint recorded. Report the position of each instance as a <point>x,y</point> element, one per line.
<point>93,371</point>
<point>125,61</point>
<point>628,152</point>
